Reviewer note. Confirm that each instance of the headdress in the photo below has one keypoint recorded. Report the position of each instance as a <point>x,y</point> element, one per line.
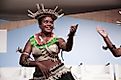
<point>42,12</point>
<point>119,22</point>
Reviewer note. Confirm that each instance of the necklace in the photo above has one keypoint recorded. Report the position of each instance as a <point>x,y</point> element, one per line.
<point>43,39</point>
<point>38,41</point>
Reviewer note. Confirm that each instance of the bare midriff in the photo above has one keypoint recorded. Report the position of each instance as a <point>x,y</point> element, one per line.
<point>49,63</point>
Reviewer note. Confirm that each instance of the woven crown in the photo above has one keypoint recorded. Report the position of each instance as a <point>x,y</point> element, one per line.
<point>40,12</point>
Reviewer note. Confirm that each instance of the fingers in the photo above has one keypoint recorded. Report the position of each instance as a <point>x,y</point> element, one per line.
<point>73,28</point>
<point>100,29</point>
<point>97,28</point>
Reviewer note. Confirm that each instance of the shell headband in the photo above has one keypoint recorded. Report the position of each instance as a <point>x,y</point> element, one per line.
<point>41,12</point>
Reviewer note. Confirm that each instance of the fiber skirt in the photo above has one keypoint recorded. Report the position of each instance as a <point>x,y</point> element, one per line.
<point>67,76</point>
<point>60,72</point>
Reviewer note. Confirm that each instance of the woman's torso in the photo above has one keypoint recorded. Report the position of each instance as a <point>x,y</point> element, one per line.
<point>47,53</point>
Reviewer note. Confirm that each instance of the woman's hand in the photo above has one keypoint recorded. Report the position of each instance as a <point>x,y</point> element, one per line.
<point>102,31</point>
<point>44,69</point>
<point>73,30</point>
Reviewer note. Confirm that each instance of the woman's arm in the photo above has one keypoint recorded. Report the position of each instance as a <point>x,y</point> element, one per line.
<point>67,46</point>
<point>26,62</point>
<point>115,51</point>
<point>24,58</point>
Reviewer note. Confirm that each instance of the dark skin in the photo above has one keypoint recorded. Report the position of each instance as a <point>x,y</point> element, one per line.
<point>115,51</point>
<point>47,25</point>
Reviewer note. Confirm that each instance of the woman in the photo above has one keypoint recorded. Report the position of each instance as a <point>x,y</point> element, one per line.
<point>115,51</point>
<point>45,47</point>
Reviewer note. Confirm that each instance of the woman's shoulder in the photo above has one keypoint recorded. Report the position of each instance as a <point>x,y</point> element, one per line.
<point>32,38</point>
<point>61,39</point>
<point>33,35</point>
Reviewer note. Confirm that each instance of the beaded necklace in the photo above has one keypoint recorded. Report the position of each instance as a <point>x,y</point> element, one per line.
<point>37,41</point>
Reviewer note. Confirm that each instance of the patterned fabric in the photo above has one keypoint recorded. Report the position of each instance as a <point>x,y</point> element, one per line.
<point>46,51</point>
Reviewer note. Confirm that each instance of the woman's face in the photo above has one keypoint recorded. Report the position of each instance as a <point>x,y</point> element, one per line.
<point>47,24</point>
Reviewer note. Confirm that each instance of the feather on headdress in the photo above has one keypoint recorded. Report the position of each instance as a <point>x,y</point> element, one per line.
<point>40,12</point>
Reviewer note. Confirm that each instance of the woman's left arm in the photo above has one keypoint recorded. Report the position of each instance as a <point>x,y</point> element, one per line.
<point>67,46</point>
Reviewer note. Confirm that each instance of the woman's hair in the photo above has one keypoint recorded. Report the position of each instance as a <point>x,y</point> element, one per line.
<point>42,17</point>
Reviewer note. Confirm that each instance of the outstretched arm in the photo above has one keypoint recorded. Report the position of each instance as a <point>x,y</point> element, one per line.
<point>67,46</point>
<point>115,51</point>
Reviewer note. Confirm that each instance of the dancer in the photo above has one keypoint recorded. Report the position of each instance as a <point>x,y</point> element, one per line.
<point>115,51</point>
<point>45,47</point>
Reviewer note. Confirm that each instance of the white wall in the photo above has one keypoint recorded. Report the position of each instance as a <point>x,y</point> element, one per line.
<point>3,41</point>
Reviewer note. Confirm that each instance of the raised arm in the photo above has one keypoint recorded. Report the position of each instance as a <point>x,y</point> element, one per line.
<point>115,51</point>
<point>67,46</point>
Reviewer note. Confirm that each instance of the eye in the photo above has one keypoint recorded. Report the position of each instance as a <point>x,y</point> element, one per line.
<point>46,21</point>
<point>51,22</point>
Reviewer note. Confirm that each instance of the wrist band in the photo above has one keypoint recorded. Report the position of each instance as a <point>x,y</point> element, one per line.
<point>113,46</point>
<point>26,53</point>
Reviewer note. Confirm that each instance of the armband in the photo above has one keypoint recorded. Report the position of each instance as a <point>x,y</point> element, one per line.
<point>106,47</point>
<point>113,47</point>
<point>26,53</point>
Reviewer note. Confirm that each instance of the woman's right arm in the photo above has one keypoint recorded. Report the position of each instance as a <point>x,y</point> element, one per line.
<point>115,51</point>
<point>24,58</point>
<point>26,62</point>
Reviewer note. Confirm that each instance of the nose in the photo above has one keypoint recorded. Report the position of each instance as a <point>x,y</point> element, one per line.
<point>49,24</point>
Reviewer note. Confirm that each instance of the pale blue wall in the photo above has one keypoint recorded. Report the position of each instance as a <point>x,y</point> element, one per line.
<point>87,42</point>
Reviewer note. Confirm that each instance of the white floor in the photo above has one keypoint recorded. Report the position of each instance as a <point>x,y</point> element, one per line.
<point>81,72</point>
